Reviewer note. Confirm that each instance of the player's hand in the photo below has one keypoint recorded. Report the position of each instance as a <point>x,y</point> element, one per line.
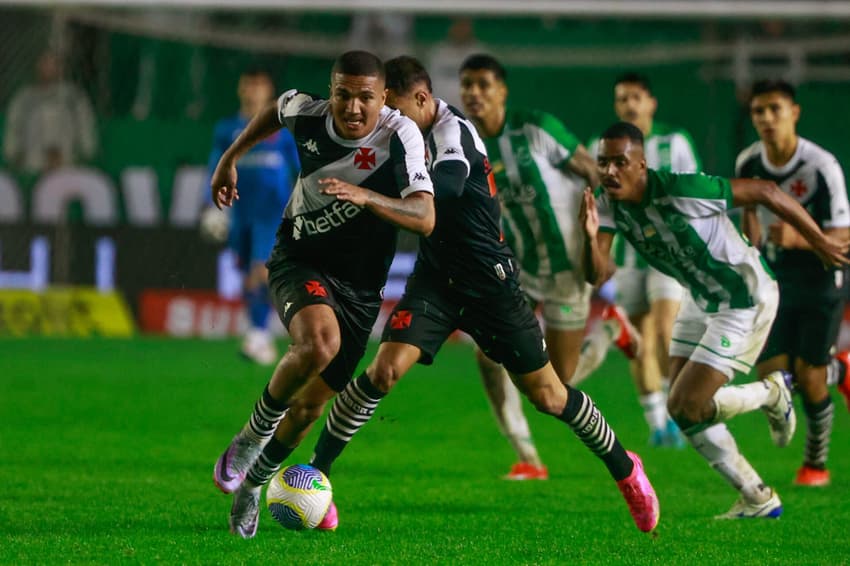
<point>589,215</point>
<point>783,235</point>
<point>344,191</point>
<point>832,251</point>
<point>223,183</point>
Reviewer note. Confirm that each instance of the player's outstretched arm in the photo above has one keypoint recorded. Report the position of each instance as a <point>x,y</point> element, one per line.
<point>584,165</point>
<point>223,180</point>
<point>415,212</point>
<point>750,192</point>
<point>597,244</point>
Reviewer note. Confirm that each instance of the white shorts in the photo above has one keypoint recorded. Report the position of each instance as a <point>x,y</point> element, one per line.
<point>565,298</point>
<point>637,289</point>
<point>729,340</point>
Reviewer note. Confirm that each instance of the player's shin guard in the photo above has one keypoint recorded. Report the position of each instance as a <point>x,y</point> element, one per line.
<point>583,416</point>
<point>719,448</point>
<point>594,349</point>
<point>507,406</point>
<point>352,409</point>
<point>819,417</point>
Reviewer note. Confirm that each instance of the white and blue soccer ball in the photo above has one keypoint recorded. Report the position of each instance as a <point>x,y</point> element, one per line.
<point>299,497</point>
<point>214,225</point>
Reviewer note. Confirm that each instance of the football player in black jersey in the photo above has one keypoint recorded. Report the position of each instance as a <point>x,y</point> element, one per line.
<point>811,299</point>
<point>465,278</point>
<point>363,175</point>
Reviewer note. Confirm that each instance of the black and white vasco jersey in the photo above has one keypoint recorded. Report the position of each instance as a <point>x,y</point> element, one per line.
<point>343,240</point>
<point>813,177</point>
<point>466,248</point>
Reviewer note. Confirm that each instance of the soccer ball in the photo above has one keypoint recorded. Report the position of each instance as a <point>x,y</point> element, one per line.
<point>214,225</point>
<point>299,497</point>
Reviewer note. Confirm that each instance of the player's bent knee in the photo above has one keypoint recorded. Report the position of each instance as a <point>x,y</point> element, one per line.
<point>687,412</point>
<point>317,353</point>
<point>546,400</point>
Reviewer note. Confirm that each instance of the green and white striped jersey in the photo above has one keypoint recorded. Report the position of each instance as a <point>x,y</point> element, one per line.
<point>681,228</point>
<point>666,149</point>
<point>540,202</point>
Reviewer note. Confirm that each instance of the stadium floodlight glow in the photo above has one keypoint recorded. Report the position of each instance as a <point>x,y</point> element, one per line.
<point>666,9</point>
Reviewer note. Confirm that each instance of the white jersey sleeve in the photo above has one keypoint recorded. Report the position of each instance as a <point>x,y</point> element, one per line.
<point>447,141</point>
<point>683,155</point>
<point>289,104</point>
<point>409,158</point>
<point>838,203</point>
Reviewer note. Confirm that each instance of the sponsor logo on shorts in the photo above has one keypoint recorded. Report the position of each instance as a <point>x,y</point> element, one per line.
<point>725,342</point>
<point>316,289</point>
<point>401,320</point>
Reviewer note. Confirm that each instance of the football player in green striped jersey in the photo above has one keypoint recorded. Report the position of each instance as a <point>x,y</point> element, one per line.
<point>541,170</point>
<point>650,298</point>
<point>811,300</point>
<point>679,223</point>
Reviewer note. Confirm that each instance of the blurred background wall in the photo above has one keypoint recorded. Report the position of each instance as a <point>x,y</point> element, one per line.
<point>157,79</point>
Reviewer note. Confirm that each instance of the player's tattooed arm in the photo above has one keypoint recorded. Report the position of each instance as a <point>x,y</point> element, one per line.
<point>584,165</point>
<point>223,180</point>
<point>597,244</point>
<point>414,212</point>
<point>750,192</point>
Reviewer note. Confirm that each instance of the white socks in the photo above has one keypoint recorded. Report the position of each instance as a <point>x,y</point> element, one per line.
<point>511,419</point>
<point>655,410</point>
<point>594,349</point>
<point>736,399</point>
<point>717,446</point>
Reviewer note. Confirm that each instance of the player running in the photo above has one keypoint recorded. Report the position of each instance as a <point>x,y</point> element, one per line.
<point>679,224</point>
<point>650,297</point>
<point>811,299</point>
<point>266,175</point>
<point>363,174</point>
<point>540,170</point>
<point>465,278</point>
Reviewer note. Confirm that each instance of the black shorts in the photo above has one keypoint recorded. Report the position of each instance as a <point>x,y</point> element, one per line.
<point>295,285</point>
<point>503,326</point>
<point>805,328</point>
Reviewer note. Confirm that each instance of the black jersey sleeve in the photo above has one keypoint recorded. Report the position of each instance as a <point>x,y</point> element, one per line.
<point>449,178</point>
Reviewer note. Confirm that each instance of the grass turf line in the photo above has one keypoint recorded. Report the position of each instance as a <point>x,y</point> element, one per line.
<point>109,445</point>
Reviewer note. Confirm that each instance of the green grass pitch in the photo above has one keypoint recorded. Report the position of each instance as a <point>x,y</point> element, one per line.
<point>108,449</point>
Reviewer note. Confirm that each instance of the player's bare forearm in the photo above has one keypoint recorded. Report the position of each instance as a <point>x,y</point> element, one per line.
<point>750,225</point>
<point>583,165</point>
<point>597,266</point>
<point>749,192</point>
<point>261,126</point>
<point>414,213</point>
